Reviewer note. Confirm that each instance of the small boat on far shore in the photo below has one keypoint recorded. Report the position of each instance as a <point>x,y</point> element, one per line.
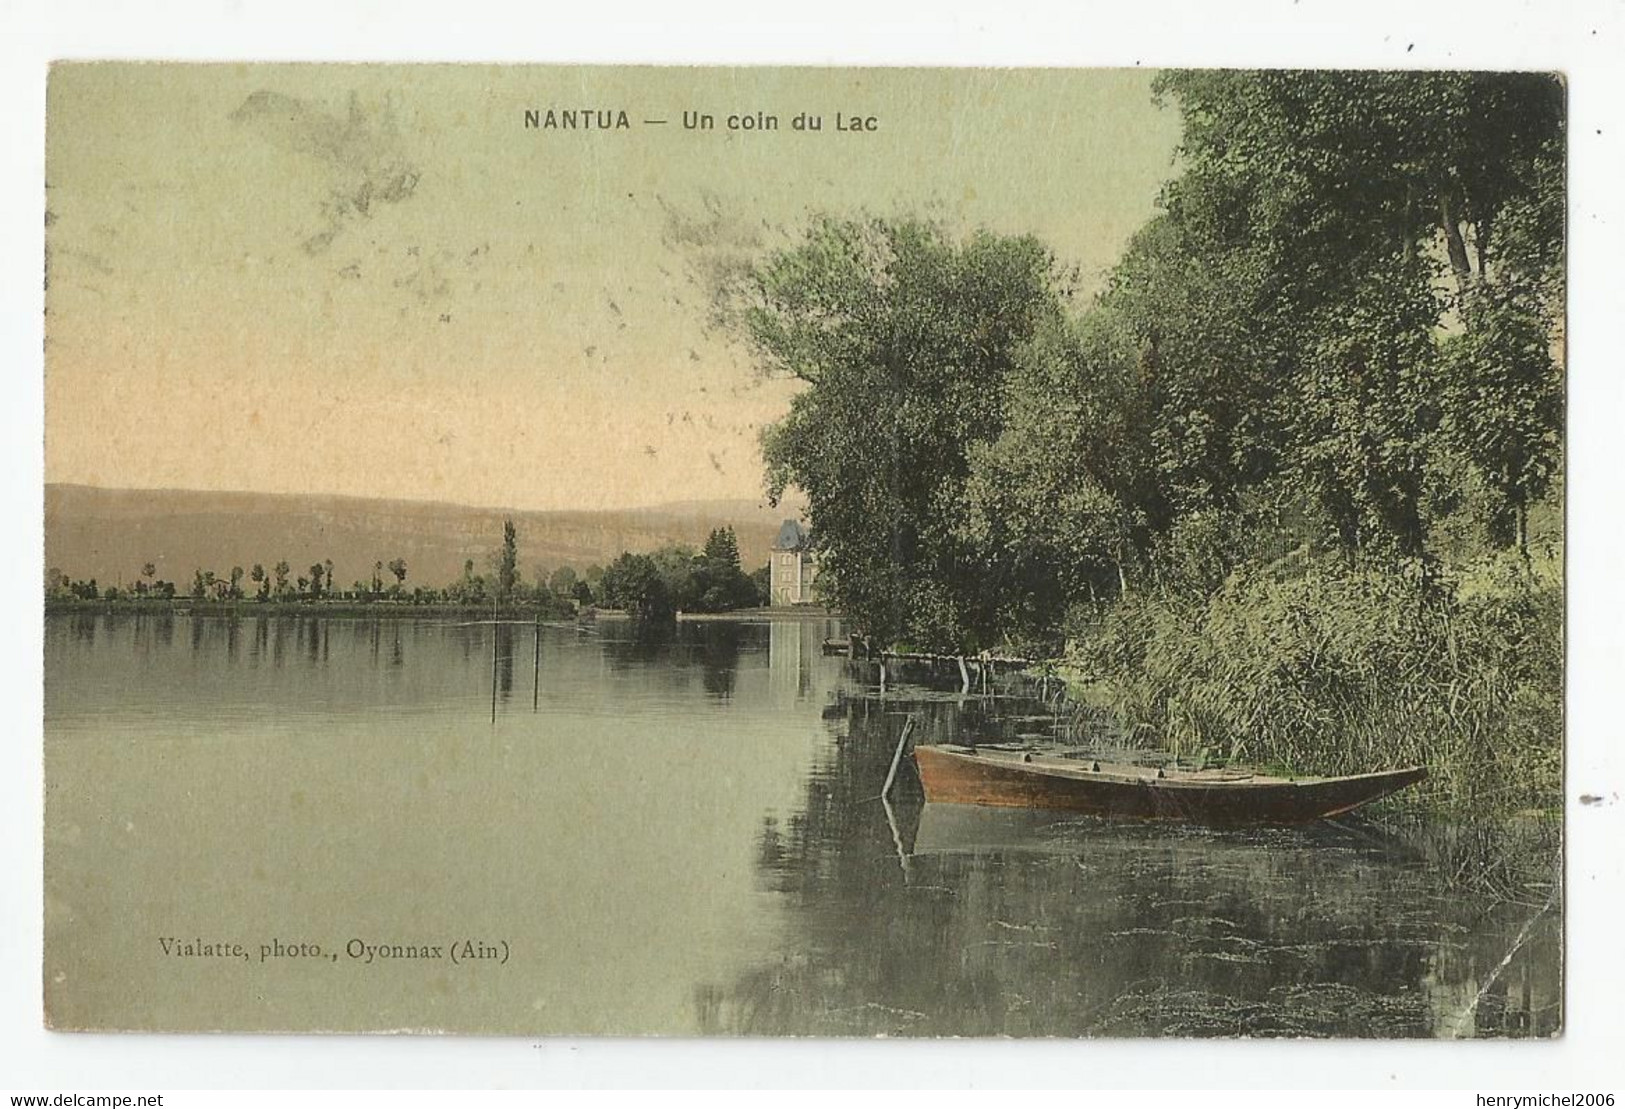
<point>1221,796</point>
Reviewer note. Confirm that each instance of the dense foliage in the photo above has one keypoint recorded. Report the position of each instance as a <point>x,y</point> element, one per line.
<point>1333,668</point>
<point>1321,389</point>
<point>676,578</point>
<point>906,339</point>
<point>1344,315</point>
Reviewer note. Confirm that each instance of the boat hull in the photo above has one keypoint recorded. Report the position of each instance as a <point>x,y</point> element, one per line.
<point>1136,793</point>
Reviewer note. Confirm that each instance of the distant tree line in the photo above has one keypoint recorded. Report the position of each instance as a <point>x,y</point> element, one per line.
<point>656,585</point>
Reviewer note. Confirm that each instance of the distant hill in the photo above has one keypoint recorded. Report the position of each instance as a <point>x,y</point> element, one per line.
<point>107,534</point>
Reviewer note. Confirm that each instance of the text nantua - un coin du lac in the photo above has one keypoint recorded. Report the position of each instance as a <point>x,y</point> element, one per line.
<point>618,119</point>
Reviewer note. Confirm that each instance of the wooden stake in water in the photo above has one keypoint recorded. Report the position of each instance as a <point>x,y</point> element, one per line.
<point>536,667</point>
<point>897,756</point>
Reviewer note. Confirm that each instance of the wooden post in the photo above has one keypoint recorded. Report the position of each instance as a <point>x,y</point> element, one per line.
<point>536,667</point>
<point>964,675</point>
<point>897,756</point>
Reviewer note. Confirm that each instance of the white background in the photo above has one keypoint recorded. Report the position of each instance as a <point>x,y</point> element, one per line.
<point>1586,40</point>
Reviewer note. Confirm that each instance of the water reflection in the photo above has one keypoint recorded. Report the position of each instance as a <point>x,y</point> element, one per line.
<point>957,920</point>
<point>504,636</point>
<point>682,833</point>
<point>719,657</point>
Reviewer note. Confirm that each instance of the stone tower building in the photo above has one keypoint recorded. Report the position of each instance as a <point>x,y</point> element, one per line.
<point>794,566</point>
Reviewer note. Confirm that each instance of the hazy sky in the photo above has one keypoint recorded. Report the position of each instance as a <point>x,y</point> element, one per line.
<point>377,281</point>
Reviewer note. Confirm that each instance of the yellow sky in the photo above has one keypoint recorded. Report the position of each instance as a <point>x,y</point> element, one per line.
<point>375,281</point>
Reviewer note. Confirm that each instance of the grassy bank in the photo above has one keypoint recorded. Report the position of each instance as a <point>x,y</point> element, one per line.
<point>1343,669</point>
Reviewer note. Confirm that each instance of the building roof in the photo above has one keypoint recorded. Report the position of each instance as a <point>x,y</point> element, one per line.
<point>792,537</point>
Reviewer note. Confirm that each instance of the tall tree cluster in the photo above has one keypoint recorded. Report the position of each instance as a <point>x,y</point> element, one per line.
<point>906,339</point>
<point>1346,312</point>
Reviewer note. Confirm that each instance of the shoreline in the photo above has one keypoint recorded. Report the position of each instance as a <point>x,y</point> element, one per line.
<point>395,610</point>
<point>769,614</point>
<point>382,609</point>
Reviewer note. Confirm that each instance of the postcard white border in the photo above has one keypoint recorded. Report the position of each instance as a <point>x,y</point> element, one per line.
<point>1583,39</point>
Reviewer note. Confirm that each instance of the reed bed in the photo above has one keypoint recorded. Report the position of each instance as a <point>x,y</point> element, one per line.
<point>1344,669</point>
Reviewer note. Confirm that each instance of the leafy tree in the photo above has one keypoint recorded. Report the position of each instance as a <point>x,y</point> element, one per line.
<point>1369,407</point>
<point>904,338</point>
<point>563,581</point>
<point>280,570</point>
<point>1504,402</point>
<point>1351,295</point>
<point>1214,411</point>
<point>235,590</point>
<point>634,583</point>
<point>1348,218</point>
<point>1063,502</point>
<point>315,582</point>
<point>679,567</point>
<point>397,566</point>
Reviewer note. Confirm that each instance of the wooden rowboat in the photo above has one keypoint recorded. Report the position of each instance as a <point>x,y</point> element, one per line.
<point>966,775</point>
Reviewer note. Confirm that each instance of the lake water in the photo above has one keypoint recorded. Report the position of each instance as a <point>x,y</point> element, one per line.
<point>684,837</point>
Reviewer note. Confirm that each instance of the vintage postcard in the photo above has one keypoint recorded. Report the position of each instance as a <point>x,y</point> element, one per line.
<point>804,552</point>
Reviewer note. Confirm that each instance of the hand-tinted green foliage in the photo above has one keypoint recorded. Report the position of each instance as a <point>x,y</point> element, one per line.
<point>1290,301</point>
<point>1369,404</point>
<point>1212,377</point>
<point>1064,500</point>
<point>1257,480</point>
<point>1339,669</point>
<point>906,338</point>
<point>1503,396</point>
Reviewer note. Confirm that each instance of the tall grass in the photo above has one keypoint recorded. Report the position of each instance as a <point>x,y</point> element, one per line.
<point>1344,669</point>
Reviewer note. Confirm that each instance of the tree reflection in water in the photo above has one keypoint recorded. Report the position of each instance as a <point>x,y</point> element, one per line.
<point>1015,923</point>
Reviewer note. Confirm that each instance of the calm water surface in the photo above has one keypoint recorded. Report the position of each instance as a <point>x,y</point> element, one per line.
<point>684,837</point>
